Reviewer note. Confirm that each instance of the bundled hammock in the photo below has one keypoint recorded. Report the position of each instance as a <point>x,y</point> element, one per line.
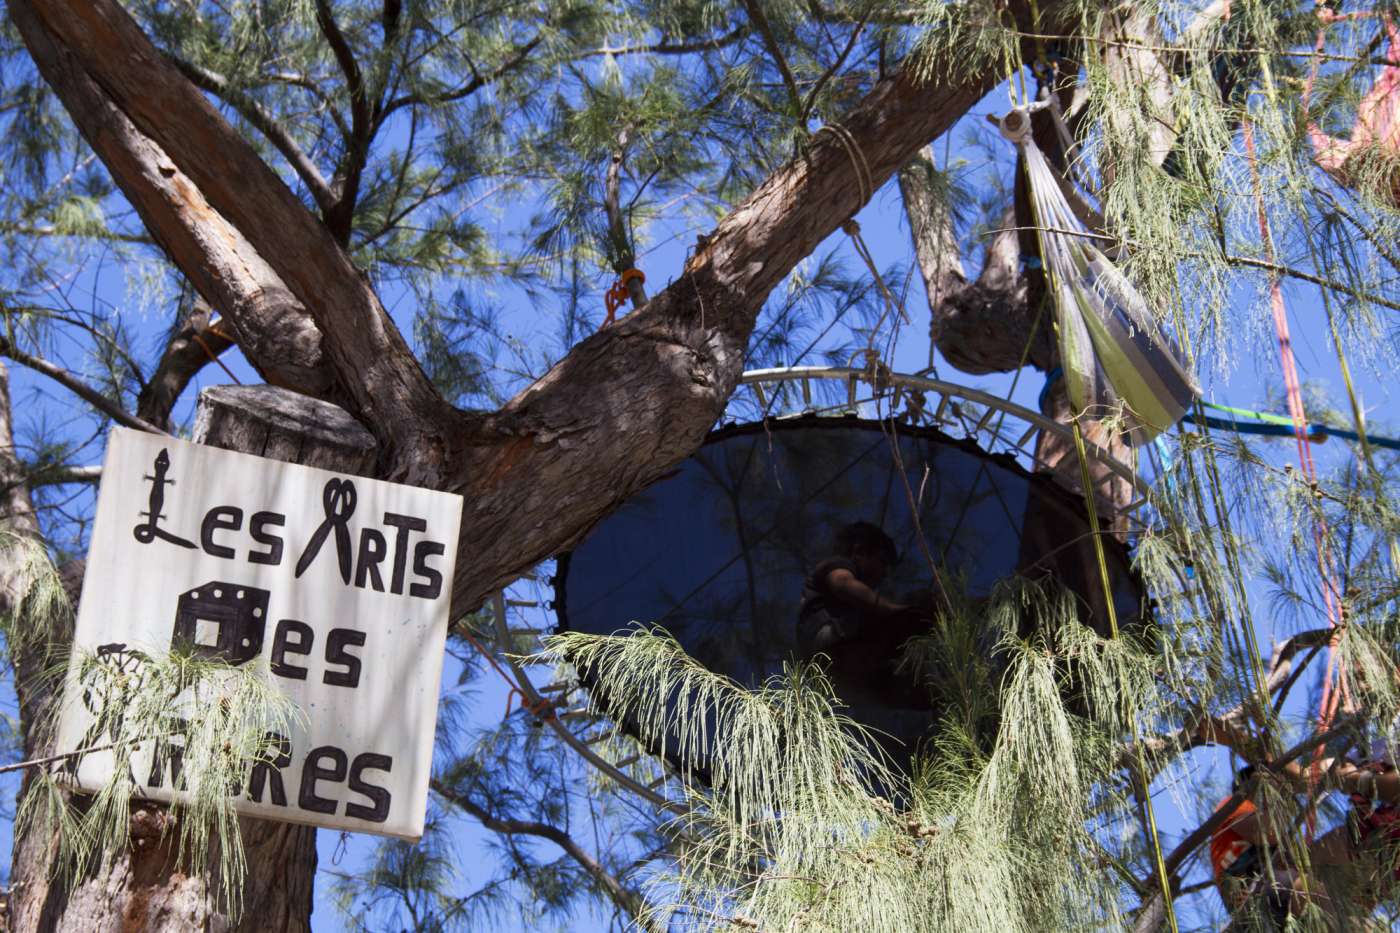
<point>1118,364</point>
<point>1377,129</point>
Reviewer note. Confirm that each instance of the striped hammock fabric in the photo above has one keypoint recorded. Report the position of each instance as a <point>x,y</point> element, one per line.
<point>1118,363</point>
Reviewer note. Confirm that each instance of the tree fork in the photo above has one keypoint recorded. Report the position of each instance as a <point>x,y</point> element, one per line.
<point>621,409</point>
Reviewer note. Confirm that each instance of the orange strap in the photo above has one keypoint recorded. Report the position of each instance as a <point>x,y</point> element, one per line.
<point>542,709</point>
<point>617,296</point>
<point>215,329</point>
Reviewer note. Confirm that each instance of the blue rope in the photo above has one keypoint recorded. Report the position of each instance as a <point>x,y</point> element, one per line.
<point>1051,378</point>
<point>1317,433</point>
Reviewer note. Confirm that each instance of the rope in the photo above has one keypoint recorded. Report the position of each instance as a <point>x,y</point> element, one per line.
<point>210,353</point>
<point>892,304</point>
<point>1336,665</point>
<point>865,183</point>
<point>542,709</point>
<point>617,296</point>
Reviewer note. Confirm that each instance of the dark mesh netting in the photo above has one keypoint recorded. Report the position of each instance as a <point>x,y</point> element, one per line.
<point>717,553</point>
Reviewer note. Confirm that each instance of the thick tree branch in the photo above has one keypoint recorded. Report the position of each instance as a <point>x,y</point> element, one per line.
<point>621,409</point>
<point>271,325</point>
<point>75,385</point>
<point>265,123</point>
<point>627,900</point>
<point>340,216</point>
<point>227,219</point>
<point>987,325</point>
<point>345,58</point>
<point>622,254</point>
<point>631,401</point>
<point>192,346</point>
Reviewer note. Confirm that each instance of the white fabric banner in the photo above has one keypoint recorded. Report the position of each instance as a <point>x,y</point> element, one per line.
<point>335,588</point>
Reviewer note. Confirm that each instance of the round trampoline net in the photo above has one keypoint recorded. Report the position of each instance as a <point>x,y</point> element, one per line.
<point>717,553</point>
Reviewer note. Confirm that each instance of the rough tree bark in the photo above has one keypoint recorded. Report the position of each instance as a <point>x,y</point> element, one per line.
<point>144,889</point>
<point>619,411</point>
<point>29,874</point>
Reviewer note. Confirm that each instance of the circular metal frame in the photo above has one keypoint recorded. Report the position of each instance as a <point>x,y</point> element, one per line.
<point>891,386</point>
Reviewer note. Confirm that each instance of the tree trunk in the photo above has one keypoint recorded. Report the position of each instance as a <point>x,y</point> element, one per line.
<point>143,888</point>
<point>33,852</point>
<point>1000,323</point>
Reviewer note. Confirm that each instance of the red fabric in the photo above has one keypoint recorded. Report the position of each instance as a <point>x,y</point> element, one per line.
<point>1382,826</point>
<point>1377,116</point>
<point>1226,845</point>
<point>1377,824</point>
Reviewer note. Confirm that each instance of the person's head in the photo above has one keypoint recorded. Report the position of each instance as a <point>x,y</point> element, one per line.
<point>1242,777</point>
<point>869,548</point>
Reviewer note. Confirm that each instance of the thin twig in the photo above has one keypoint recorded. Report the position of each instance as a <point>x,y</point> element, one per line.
<point>38,762</point>
<point>1314,279</point>
<point>79,388</point>
<point>471,87</point>
<point>760,21</point>
<point>835,67</point>
<point>265,122</point>
<point>674,48</point>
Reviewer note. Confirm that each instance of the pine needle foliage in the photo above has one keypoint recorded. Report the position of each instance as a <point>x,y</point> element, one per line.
<point>797,820</point>
<point>199,725</point>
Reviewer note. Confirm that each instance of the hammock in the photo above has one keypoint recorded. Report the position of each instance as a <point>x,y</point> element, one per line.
<point>1377,127</point>
<point>1117,362</point>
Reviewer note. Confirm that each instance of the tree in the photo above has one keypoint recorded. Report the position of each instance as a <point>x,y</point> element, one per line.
<point>295,162</point>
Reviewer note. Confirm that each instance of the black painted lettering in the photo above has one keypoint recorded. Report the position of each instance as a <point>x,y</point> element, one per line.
<point>284,643</point>
<point>338,501</point>
<point>220,517</point>
<point>405,524</point>
<point>421,553</point>
<point>336,643</point>
<point>371,556</point>
<point>169,756</point>
<point>378,812</point>
<point>257,527</point>
<point>314,771</point>
<point>267,770</point>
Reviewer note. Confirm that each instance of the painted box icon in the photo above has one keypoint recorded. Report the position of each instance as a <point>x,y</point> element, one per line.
<point>221,620</point>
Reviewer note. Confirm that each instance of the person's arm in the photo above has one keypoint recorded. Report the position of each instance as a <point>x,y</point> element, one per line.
<point>844,586</point>
<point>1365,782</point>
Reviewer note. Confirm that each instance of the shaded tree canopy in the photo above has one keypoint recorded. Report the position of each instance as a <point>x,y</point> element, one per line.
<point>356,200</point>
